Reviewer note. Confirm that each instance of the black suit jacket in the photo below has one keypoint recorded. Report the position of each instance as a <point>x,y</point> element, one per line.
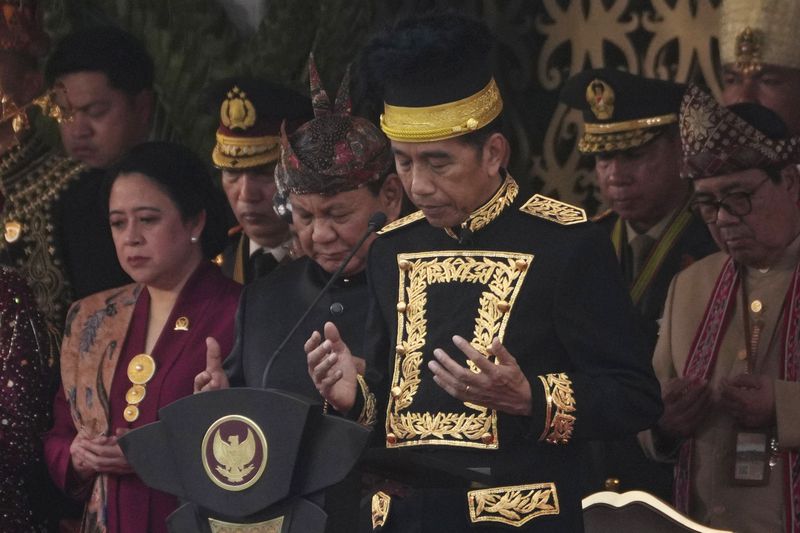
<point>85,236</point>
<point>268,309</point>
<point>271,306</point>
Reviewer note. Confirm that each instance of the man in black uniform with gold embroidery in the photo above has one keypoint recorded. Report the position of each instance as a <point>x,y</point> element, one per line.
<point>498,320</point>
<point>631,129</point>
<point>248,146</point>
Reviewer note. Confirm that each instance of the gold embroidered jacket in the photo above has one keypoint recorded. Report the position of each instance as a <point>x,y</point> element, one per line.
<point>32,178</point>
<point>532,272</point>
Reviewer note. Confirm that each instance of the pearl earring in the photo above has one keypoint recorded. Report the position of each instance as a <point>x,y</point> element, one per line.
<point>194,239</point>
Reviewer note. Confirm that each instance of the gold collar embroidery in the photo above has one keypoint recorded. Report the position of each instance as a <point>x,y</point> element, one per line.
<point>489,211</point>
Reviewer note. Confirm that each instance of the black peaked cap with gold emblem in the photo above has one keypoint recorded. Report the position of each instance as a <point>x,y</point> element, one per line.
<point>621,110</point>
<point>435,75</point>
<point>251,111</point>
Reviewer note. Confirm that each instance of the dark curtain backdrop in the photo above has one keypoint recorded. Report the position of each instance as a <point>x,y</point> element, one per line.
<point>541,44</point>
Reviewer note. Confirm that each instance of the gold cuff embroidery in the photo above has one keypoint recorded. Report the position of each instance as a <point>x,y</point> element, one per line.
<point>381,504</point>
<point>560,406</point>
<point>514,506</point>
<point>369,411</point>
<point>443,121</point>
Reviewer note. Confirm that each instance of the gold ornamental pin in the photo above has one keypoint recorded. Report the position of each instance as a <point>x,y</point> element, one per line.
<point>13,230</point>
<point>131,413</point>
<point>135,394</point>
<point>756,306</point>
<point>182,324</point>
<point>141,369</point>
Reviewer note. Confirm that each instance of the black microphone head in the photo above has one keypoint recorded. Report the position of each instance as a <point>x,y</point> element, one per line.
<point>377,220</point>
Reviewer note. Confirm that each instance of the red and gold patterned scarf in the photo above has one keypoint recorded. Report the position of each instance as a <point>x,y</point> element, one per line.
<point>700,364</point>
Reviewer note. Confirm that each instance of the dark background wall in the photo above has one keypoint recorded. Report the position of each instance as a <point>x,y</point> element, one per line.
<point>541,44</point>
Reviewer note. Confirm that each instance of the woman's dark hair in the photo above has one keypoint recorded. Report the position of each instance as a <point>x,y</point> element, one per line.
<point>187,182</point>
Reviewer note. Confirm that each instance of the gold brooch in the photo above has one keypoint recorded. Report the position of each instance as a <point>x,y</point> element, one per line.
<point>141,370</point>
<point>237,111</point>
<point>600,97</point>
<point>182,324</point>
<point>13,231</point>
<point>748,50</point>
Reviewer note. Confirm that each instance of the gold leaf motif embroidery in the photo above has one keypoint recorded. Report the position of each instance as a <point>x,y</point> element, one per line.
<point>400,222</point>
<point>559,395</point>
<point>553,210</point>
<point>502,277</point>
<point>368,412</point>
<point>514,506</point>
<point>381,504</point>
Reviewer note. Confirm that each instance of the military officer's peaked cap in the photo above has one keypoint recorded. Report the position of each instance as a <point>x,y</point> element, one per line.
<point>621,110</point>
<point>251,112</point>
<point>436,77</point>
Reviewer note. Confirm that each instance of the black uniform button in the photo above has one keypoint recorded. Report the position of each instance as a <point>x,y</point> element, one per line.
<point>337,308</point>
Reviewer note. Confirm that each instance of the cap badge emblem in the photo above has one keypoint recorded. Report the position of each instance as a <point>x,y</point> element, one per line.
<point>600,97</point>
<point>237,110</point>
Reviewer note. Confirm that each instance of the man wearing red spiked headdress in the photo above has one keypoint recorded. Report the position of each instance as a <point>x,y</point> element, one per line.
<point>336,172</point>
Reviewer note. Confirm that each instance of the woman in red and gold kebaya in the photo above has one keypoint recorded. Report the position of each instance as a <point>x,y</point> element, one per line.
<point>129,351</point>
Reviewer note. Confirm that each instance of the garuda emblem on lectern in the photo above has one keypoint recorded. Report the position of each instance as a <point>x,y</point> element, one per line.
<point>234,452</point>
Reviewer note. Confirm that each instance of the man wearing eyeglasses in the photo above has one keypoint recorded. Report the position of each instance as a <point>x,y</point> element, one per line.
<point>728,354</point>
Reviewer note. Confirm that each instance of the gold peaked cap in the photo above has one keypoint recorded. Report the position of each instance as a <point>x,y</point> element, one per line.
<point>443,121</point>
<point>753,32</point>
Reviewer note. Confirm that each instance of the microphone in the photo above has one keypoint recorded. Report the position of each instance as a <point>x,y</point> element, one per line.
<point>376,222</point>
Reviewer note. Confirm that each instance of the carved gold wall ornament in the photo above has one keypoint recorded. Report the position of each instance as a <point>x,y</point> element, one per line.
<point>502,279</point>
<point>680,45</point>
<point>513,506</point>
<point>561,407</point>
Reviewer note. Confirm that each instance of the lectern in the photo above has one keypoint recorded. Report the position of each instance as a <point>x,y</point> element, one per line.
<point>245,460</point>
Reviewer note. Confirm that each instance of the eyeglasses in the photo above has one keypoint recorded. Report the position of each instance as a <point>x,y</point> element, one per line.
<point>737,203</point>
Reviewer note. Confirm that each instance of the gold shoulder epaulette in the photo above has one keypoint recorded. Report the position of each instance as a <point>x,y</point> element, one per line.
<point>600,216</point>
<point>400,222</point>
<point>553,210</point>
